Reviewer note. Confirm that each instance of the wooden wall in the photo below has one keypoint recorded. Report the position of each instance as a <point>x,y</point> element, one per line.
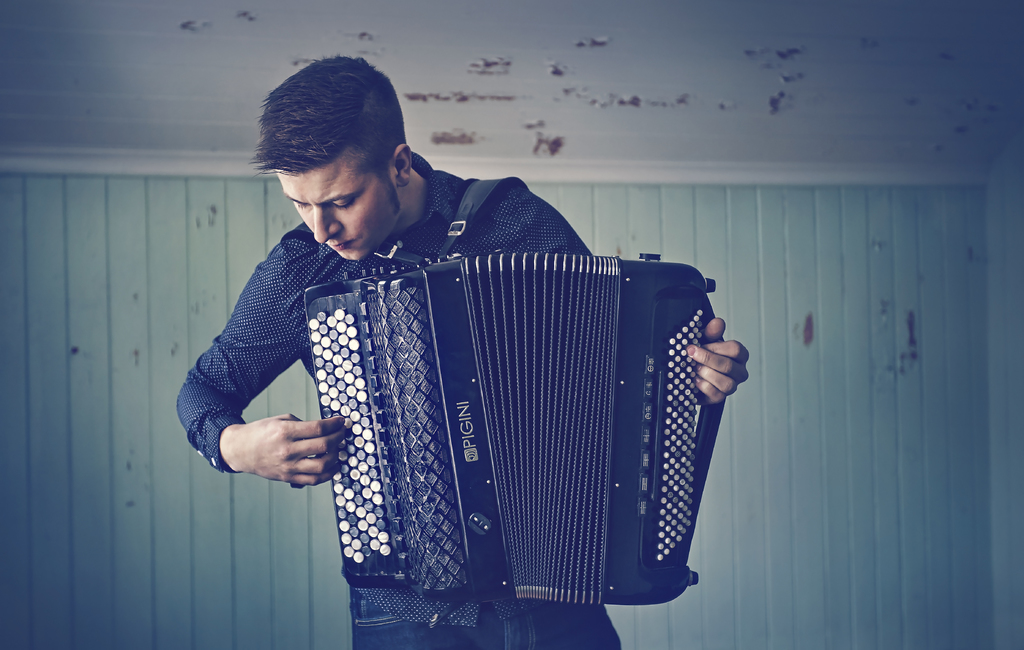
<point>1006,357</point>
<point>847,505</point>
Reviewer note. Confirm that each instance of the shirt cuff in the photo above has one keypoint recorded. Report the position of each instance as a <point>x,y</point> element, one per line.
<point>211,442</point>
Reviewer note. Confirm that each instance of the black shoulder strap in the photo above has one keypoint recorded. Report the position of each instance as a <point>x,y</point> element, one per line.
<point>478,197</point>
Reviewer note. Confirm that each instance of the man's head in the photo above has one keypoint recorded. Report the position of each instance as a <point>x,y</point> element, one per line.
<point>331,107</point>
<point>333,132</point>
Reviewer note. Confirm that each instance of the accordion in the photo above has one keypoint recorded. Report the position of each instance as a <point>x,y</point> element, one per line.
<point>522,426</point>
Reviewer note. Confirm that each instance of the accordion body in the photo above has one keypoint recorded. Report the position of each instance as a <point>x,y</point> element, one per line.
<point>522,426</point>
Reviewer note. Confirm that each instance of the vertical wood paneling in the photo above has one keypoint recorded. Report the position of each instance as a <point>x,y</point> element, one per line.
<point>977,256</point>
<point>748,478</point>
<point>49,435</point>
<point>888,599</point>
<point>934,360</point>
<point>90,405</point>
<point>775,337</point>
<point>907,310</point>
<point>246,247</point>
<point>611,228</point>
<point>805,421</point>
<point>961,445</point>
<point>211,506</point>
<point>15,537</point>
<point>830,336</point>
<point>167,266</point>
<point>129,370</point>
<point>857,310</point>
<point>576,203</point>
<point>715,518</point>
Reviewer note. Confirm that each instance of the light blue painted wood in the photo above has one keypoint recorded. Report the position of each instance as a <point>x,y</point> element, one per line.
<point>129,392</point>
<point>857,309</point>
<point>977,271</point>
<point>775,340</point>
<point>611,227</point>
<point>90,406</point>
<point>49,435</point>
<point>748,475</point>
<point>934,363</point>
<point>15,537</point>
<point>883,417</point>
<point>907,310</point>
<point>576,203</point>
<point>830,336</point>
<point>246,228</point>
<point>961,445</point>
<point>808,524</point>
<point>211,506</point>
<point>167,258</point>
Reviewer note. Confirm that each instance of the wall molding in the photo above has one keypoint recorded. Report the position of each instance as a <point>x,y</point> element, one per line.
<point>136,162</point>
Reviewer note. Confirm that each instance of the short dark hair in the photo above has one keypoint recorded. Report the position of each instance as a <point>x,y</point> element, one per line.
<point>332,106</point>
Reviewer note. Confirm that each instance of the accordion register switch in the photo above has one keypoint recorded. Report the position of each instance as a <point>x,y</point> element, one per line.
<point>520,425</point>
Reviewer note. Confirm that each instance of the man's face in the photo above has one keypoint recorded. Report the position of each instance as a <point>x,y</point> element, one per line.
<point>352,211</point>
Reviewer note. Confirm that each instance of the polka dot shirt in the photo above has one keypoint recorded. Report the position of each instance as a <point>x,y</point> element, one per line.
<point>267,330</point>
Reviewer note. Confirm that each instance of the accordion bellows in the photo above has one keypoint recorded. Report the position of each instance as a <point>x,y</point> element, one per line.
<point>523,426</point>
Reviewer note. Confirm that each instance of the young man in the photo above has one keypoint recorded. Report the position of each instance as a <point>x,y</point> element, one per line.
<point>334,134</point>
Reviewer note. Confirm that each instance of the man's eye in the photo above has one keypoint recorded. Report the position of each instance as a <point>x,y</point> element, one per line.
<point>343,205</point>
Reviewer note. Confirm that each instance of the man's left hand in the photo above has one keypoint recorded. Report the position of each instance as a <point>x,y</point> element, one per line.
<point>722,364</point>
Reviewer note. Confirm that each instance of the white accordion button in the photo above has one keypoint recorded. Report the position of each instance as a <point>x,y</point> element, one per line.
<point>385,549</point>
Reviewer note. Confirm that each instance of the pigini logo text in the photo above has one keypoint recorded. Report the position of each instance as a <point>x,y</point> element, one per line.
<point>466,429</point>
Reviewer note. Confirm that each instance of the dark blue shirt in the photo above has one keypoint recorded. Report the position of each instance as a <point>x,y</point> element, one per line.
<point>267,330</point>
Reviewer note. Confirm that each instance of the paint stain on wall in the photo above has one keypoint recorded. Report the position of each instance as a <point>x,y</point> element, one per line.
<point>536,124</point>
<point>456,136</point>
<point>557,69</point>
<point>727,105</point>
<point>961,129</point>
<point>457,97</point>
<point>947,56</point>
<point>868,43</point>
<point>912,101</point>
<point>775,102</point>
<point>246,15</point>
<point>809,329</point>
<point>548,145</point>
<point>630,101</point>
<point>593,41</point>
<point>790,78</point>
<point>485,66</point>
<point>789,53</point>
<point>910,356</point>
<point>301,61</point>
<point>194,25</point>
<point>74,349</point>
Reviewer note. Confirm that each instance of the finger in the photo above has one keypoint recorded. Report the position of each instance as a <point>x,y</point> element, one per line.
<point>718,362</point>
<point>714,330</point>
<point>318,428</point>
<point>709,393</point>
<point>317,446</point>
<point>732,349</point>
<point>711,382</point>
<point>309,479</point>
<point>323,465</point>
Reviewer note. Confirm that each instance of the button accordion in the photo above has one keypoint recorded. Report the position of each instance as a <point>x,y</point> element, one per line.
<point>522,426</point>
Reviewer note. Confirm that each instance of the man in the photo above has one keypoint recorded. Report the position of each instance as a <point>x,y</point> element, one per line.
<point>334,134</point>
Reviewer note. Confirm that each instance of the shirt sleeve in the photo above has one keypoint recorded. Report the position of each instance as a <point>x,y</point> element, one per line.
<point>260,341</point>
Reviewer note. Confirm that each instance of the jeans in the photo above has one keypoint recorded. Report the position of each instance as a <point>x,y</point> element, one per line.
<point>552,626</point>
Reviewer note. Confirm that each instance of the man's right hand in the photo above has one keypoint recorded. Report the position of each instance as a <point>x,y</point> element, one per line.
<point>285,448</point>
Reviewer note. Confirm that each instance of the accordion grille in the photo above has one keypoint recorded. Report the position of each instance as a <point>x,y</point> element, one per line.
<point>422,483</point>
<point>544,326</point>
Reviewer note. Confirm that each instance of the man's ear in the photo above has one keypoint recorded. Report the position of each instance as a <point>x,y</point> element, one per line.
<point>401,163</point>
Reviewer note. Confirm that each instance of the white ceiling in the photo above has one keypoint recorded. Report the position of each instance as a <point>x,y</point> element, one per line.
<point>646,85</point>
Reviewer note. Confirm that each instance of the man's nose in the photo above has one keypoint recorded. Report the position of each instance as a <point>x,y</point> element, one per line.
<point>322,223</point>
